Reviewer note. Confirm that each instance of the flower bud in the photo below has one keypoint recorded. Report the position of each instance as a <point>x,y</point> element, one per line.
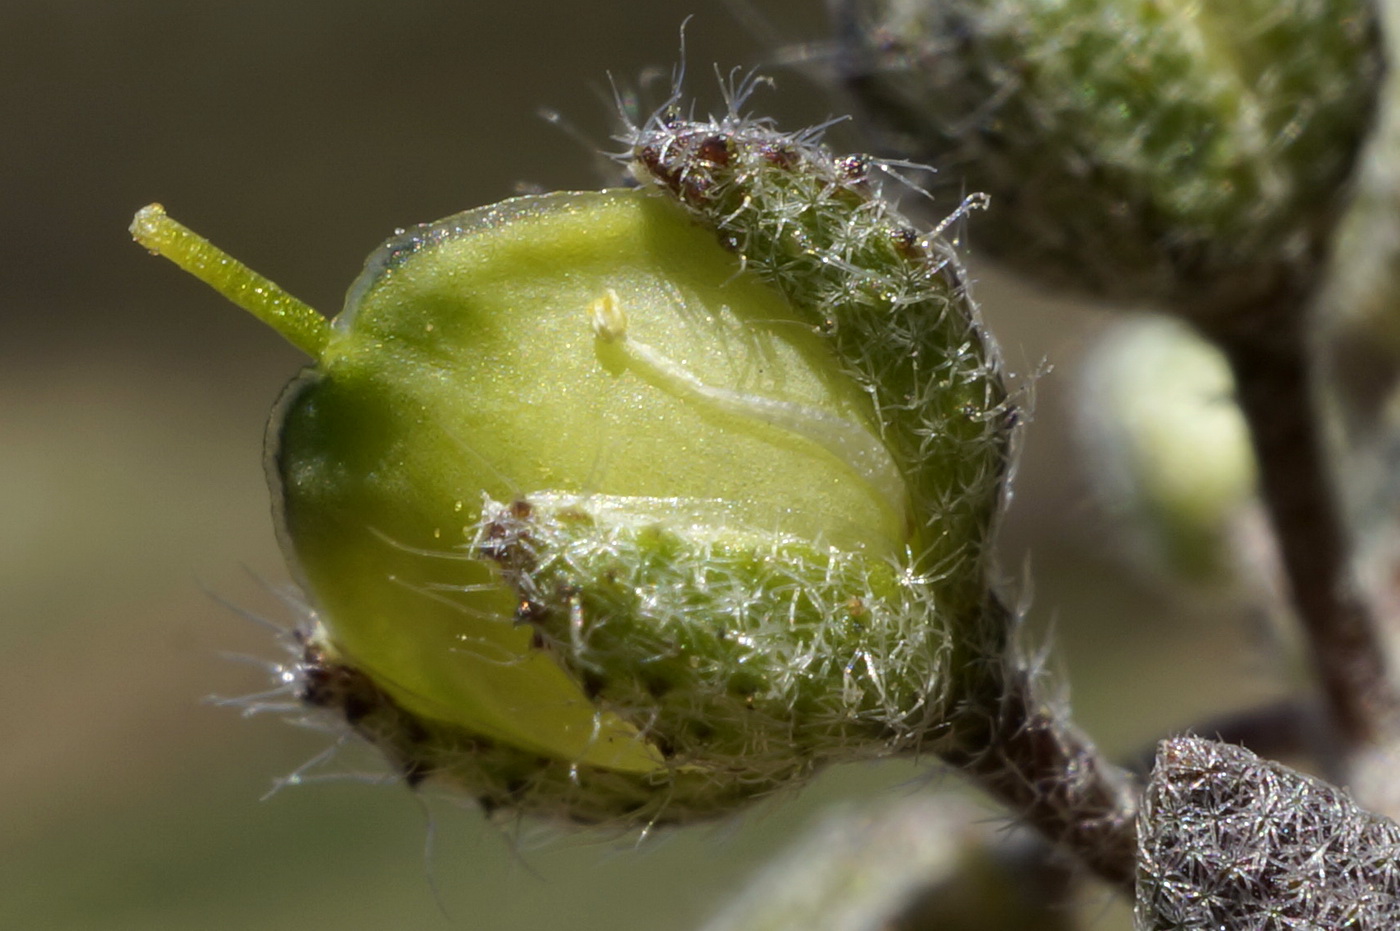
<point>1187,153</point>
<point>632,506</point>
<point>1169,448</point>
<point>1229,841</point>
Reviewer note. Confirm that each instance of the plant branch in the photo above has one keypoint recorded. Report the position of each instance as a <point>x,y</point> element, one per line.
<point>1019,748</point>
<point>1274,378</point>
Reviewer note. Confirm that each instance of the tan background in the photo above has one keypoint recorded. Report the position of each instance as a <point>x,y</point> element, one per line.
<point>132,404</point>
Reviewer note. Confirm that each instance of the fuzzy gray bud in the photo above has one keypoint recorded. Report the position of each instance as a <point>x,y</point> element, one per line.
<point>1231,842</point>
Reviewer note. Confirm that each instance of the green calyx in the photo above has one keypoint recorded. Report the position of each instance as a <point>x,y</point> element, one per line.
<point>727,639</point>
<point>602,521</point>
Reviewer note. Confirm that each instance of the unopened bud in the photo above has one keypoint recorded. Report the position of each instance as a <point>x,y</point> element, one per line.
<point>1189,153</point>
<point>1230,842</point>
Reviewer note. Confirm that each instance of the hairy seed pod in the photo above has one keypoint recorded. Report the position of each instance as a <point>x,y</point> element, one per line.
<point>1192,154</point>
<point>631,506</point>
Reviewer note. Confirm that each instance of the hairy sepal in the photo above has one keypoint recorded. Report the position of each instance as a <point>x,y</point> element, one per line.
<point>890,299</point>
<point>724,645</point>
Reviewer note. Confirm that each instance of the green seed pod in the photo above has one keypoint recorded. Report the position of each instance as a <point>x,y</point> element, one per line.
<point>1187,153</point>
<point>612,515</point>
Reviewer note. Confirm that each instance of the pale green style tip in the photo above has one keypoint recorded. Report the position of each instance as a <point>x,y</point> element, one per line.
<point>299,323</point>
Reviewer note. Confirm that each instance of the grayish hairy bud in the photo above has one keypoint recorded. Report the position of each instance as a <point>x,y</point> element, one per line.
<point>1231,842</point>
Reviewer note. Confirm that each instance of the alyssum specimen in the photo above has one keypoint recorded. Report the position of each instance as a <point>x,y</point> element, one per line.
<point>636,504</point>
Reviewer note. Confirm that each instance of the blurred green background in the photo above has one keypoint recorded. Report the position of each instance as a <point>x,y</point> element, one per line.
<point>132,501</point>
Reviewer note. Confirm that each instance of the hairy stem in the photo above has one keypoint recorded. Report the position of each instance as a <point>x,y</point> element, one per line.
<point>1020,749</point>
<point>1276,393</point>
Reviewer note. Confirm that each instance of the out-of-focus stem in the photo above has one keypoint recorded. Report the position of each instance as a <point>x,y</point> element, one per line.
<point>1269,353</point>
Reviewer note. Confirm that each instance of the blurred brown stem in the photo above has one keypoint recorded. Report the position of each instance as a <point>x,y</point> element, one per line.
<point>1268,352</point>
